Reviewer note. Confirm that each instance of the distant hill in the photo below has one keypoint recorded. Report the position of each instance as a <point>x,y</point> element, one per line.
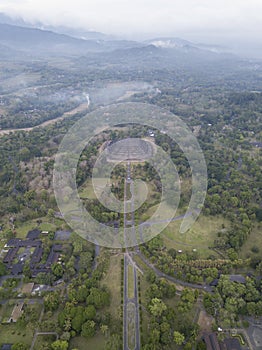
<point>156,53</point>
<point>43,42</point>
<point>78,33</point>
<point>29,39</point>
<point>150,56</point>
<point>177,43</point>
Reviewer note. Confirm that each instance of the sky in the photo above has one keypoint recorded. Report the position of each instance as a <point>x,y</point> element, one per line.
<point>214,21</point>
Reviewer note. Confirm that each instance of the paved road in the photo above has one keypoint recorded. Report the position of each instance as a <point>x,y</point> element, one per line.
<point>159,273</point>
<point>130,303</point>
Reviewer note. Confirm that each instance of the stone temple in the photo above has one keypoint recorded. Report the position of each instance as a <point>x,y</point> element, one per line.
<point>130,149</point>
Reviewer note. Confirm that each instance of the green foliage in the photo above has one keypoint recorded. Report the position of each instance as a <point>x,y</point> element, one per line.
<point>88,329</point>
<point>19,346</point>
<point>52,301</point>
<point>60,345</point>
<point>2,269</point>
<point>157,307</point>
<point>178,337</point>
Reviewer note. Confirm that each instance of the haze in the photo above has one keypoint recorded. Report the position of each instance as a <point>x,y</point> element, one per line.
<point>235,23</point>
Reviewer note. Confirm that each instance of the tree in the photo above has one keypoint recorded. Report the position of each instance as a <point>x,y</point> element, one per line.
<point>19,346</point>
<point>77,322</point>
<point>90,312</point>
<point>60,345</point>
<point>51,301</point>
<point>157,307</point>
<point>104,329</point>
<point>57,270</point>
<point>88,329</point>
<point>113,343</point>
<point>178,337</point>
<point>98,298</point>
<point>2,269</point>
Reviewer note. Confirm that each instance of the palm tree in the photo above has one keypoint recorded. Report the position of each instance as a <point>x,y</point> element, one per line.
<point>104,329</point>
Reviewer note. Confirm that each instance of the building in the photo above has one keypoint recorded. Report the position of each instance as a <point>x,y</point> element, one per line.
<point>232,344</point>
<point>17,269</point>
<point>27,288</point>
<point>211,341</point>
<point>33,234</point>
<point>17,312</point>
<point>62,235</point>
<point>237,279</point>
<point>6,347</point>
<point>10,255</point>
<point>37,256</point>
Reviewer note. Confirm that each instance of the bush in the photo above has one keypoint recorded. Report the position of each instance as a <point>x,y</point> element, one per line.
<point>255,249</point>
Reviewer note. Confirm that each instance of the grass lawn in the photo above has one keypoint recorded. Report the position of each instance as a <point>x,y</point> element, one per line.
<point>11,334</point>
<point>86,191</point>
<point>113,281</point>
<point>140,263</point>
<point>6,311</point>
<point>130,282</point>
<point>95,343</point>
<point>200,236</point>
<point>144,285</point>
<point>46,225</point>
<point>254,240</point>
<point>37,308</point>
<point>44,339</point>
<point>131,312</point>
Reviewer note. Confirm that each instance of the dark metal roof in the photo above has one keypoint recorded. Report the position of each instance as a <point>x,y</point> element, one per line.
<point>37,255</point>
<point>237,278</point>
<point>33,234</point>
<point>10,255</point>
<point>6,347</point>
<point>232,344</point>
<point>57,247</point>
<point>17,269</point>
<point>62,235</point>
<point>211,341</point>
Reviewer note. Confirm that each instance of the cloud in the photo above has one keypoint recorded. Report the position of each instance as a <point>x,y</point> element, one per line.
<point>219,18</point>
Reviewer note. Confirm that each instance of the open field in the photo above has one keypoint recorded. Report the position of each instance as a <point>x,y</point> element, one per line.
<point>254,240</point>
<point>87,191</point>
<point>47,224</point>
<point>11,333</point>
<point>201,235</point>
<point>44,339</point>
<point>96,343</point>
<point>113,281</point>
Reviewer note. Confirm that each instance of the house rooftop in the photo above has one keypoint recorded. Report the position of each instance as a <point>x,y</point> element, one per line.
<point>17,269</point>
<point>211,341</point>
<point>237,278</point>
<point>17,312</point>
<point>33,234</point>
<point>27,288</point>
<point>13,242</point>
<point>232,344</point>
<point>6,347</point>
<point>57,247</point>
<point>62,235</point>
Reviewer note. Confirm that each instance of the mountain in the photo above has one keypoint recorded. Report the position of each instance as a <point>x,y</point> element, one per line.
<point>42,42</point>
<point>177,43</point>
<point>78,33</point>
<point>150,57</point>
<point>170,43</point>
<point>156,53</point>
